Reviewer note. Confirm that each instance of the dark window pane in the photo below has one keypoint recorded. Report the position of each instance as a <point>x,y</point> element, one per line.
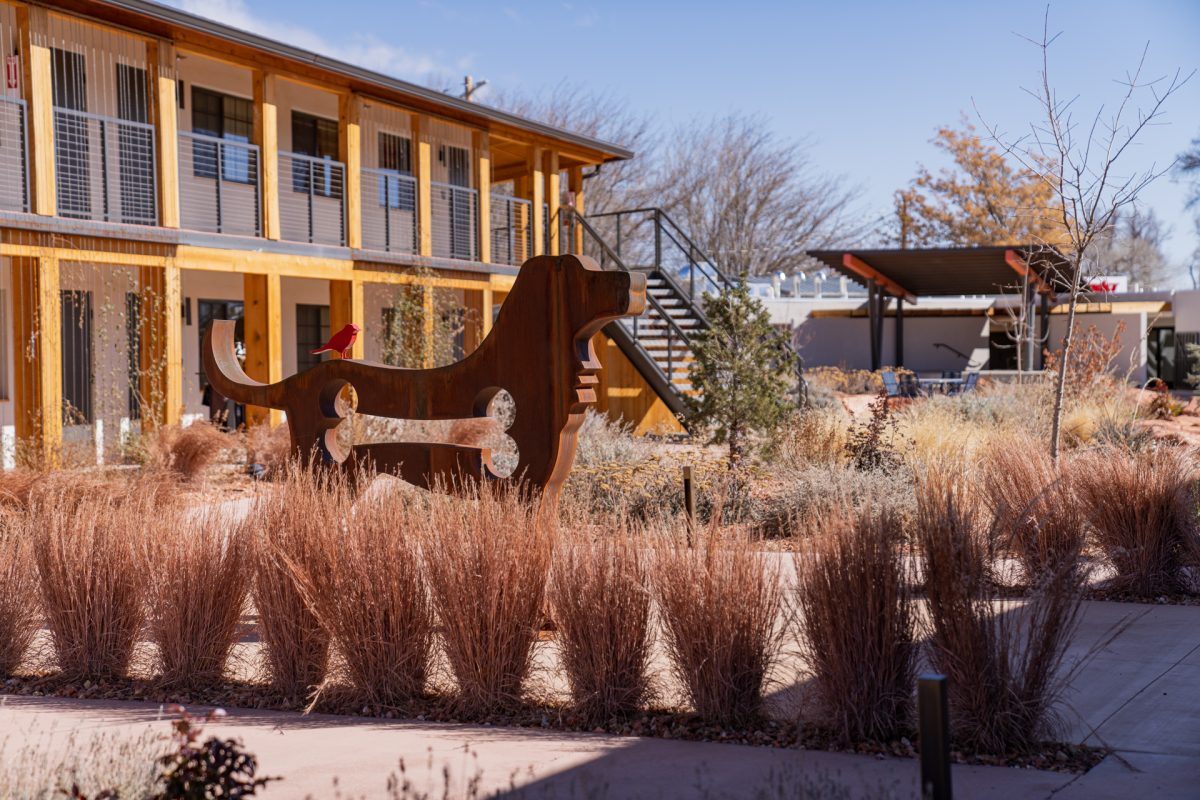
<point>312,331</point>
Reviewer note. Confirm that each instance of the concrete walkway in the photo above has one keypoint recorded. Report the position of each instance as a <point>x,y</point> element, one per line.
<point>1138,694</point>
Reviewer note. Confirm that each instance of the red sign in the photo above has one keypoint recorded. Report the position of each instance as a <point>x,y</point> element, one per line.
<point>11,69</point>
<point>1103,286</point>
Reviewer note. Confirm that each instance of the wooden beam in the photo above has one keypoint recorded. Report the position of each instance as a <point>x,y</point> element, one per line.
<point>160,354</point>
<point>869,273</point>
<point>346,306</point>
<point>553,199</point>
<point>537,195</point>
<point>164,112</point>
<point>263,319</point>
<point>1022,268</point>
<point>423,167</point>
<point>350,154</point>
<point>266,136</point>
<point>483,182</point>
<point>575,187</point>
<point>37,89</point>
<point>37,351</point>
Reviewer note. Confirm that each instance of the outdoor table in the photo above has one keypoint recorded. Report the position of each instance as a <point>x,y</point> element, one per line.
<point>940,383</point>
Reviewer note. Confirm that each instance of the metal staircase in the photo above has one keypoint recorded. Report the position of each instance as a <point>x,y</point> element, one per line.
<point>678,276</point>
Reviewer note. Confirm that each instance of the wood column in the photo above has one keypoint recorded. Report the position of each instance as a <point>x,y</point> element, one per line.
<point>575,186</point>
<point>266,136</point>
<point>553,199</point>
<point>164,114</point>
<point>37,90</point>
<point>350,154</point>
<point>872,318</point>
<point>537,196</point>
<point>423,172</point>
<point>263,318</point>
<point>483,182</point>
<point>37,356</point>
<point>346,306</point>
<point>160,355</point>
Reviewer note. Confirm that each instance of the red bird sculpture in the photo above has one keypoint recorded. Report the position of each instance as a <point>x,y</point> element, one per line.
<point>341,342</point>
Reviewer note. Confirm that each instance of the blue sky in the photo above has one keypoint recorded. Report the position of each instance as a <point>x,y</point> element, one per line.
<point>866,82</point>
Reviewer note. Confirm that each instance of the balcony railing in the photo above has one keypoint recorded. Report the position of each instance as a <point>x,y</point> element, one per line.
<point>312,199</point>
<point>14,156</point>
<point>512,230</point>
<point>455,226</point>
<point>219,186</point>
<point>389,211</point>
<point>104,168</point>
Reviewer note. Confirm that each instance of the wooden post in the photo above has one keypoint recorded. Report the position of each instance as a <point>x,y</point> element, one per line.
<point>575,186</point>
<point>37,349</point>
<point>537,192</point>
<point>933,713</point>
<point>423,167</point>
<point>553,200</point>
<point>483,182</point>
<point>689,502</point>
<point>160,356</point>
<point>346,306</point>
<point>263,319</point>
<point>350,154</point>
<point>37,88</point>
<point>163,102</point>
<point>266,136</point>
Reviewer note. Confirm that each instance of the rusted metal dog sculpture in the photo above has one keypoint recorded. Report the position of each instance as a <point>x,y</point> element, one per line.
<point>539,350</point>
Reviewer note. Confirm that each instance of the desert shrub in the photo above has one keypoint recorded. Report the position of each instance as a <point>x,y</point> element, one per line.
<point>486,557</point>
<point>1092,356</point>
<point>50,762</point>
<point>720,604</point>
<point>603,441</point>
<point>814,436</point>
<point>270,448</point>
<point>186,453</point>
<point>285,527</point>
<point>809,496</point>
<point>1033,506</point>
<point>1002,660</point>
<point>846,381</point>
<point>18,598</point>
<point>198,594</point>
<point>214,768</point>
<point>600,596</point>
<point>1142,511</point>
<point>875,445</point>
<point>853,597</point>
<point>89,543</point>
<point>367,592</point>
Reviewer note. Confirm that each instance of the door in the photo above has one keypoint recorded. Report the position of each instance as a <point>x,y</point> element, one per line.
<point>458,166</point>
<point>209,310</point>
<point>77,359</point>
<point>312,331</point>
<point>135,148</point>
<point>133,342</point>
<point>72,148</point>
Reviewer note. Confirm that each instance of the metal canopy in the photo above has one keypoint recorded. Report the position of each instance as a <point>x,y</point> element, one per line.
<point>951,271</point>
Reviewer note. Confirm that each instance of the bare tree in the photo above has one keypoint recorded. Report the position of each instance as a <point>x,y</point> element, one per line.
<point>1080,161</point>
<point>1189,166</point>
<point>752,201</point>
<point>1134,248</point>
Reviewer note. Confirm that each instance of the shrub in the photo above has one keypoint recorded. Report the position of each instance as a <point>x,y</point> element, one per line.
<point>874,445</point>
<point>187,452</point>
<point>486,556</point>
<point>1142,511</point>
<point>600,596</point>
<point>812,437</point>
<point>852,594</point>
<point>720,604</point>
<point>367,592</point>
<point>18,598</point>
<point>1002,662</point>
<point>269,447</point>
<point>602,441</point>
<point>214,768</point>
<point>201,575</point>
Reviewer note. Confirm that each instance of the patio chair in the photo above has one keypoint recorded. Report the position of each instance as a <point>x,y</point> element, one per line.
<point>891,386</point>
<point>968,384</point>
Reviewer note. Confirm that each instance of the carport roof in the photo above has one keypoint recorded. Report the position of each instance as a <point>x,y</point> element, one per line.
<point>951,271</point>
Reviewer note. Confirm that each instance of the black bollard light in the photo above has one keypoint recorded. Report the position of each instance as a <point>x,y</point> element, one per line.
<point>933,712</point>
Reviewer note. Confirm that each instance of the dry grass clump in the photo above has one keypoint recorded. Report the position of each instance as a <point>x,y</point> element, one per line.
<point>813,437</point>
<point>364,584</point>
<point>720,604</point>
<point>486,556</point>
<point>1002,661</point>
<point>187,452</point>
<point>1142,511</point>
<point>286,526</point>
<point>853,595</point>
<point>200,579</point>
<point>600,596</point>
<point>18,598</point>
<point>1033,505</point>
<point>16,485</point>
<point>89,544</point>
<point>270,447</point>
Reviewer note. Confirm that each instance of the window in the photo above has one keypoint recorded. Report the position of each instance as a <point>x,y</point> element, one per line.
<point>318,138</point>
<point>72,145</point>
<point>135,147</point>
<point>208,310</point>
<point>222,117</point>
<point>76,328</point>
<point>312,331</point>
<point>395,155</point>
<point>1160,356</point>
<point>1002,350</point>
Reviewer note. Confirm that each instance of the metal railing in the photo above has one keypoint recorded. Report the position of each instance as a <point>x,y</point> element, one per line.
<point>14,155</point>
<point>389,211</point>
<point>312,199</point>
<point>455,221</point>
<point>219,185</point>
<point>512,230</point>
<point>104,168</point>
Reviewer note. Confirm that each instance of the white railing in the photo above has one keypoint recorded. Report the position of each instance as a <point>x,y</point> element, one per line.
<point>219,186</point>
<point>104,168</point>
<point>14,155</point>
<point>455,221</point>
<point>312,199</point>
<point>389,211</point>
<point>512,230</point>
